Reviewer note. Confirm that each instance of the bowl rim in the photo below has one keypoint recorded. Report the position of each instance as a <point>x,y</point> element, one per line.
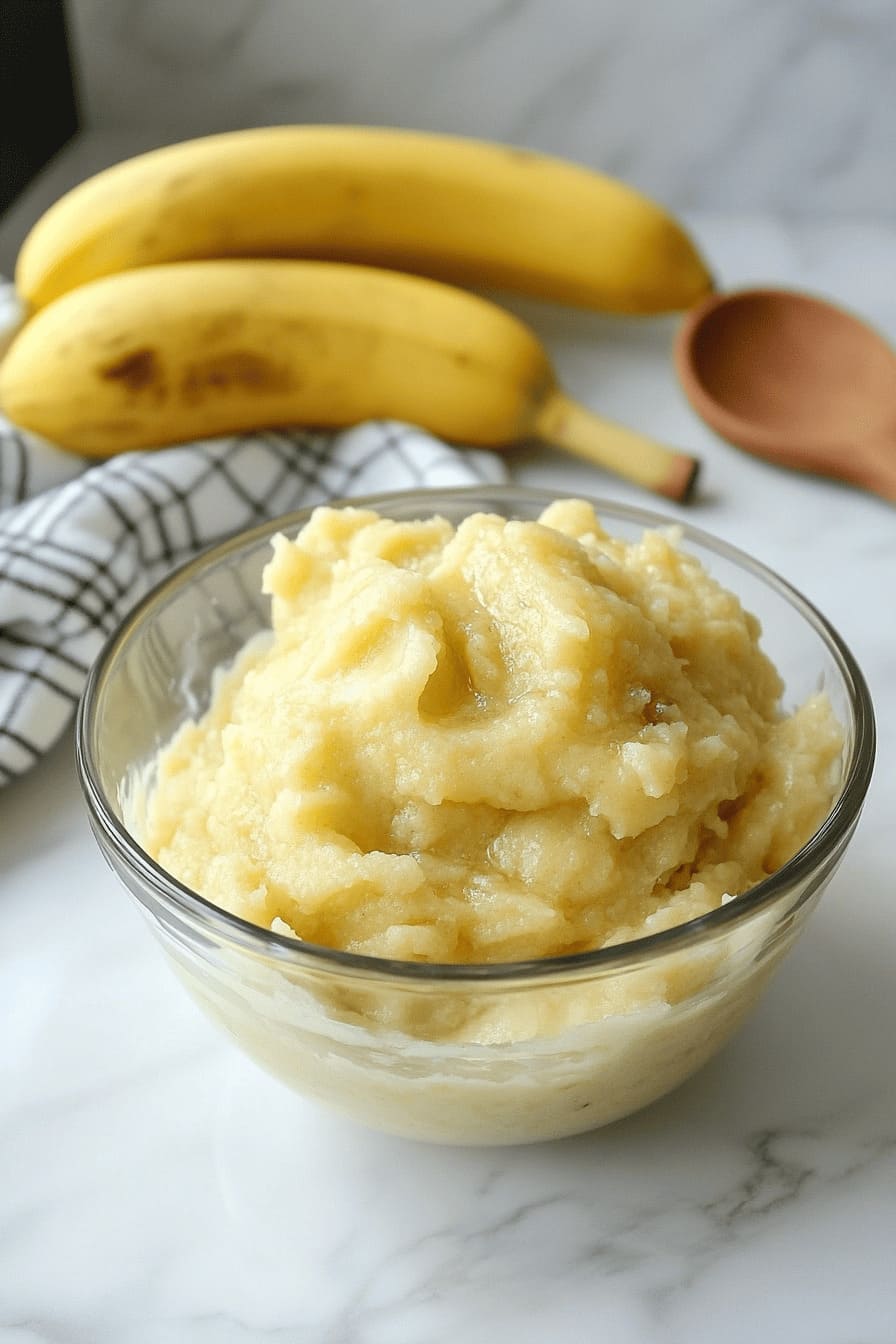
<point>821,847</point>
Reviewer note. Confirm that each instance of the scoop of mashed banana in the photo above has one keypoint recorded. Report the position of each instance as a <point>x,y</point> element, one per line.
<point>503,741</point>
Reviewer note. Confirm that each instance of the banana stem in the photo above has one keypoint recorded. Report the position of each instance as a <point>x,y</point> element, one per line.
<point>567,424</point>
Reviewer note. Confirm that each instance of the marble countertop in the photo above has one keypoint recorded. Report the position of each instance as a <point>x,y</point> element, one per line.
<point>155,1188</point>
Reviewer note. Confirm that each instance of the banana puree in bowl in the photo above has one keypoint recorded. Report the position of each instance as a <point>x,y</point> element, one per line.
<point>497,830</point>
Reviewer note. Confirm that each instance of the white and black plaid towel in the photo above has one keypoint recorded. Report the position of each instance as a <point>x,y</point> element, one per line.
<point>80,542</point>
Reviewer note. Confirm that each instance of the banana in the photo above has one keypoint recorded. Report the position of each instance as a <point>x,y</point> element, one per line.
<point>183,351</point>
<point>464,211</point>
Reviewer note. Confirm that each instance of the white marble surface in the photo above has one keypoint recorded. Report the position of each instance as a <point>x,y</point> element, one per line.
<point>713,104</point>
<point>155,1189</point>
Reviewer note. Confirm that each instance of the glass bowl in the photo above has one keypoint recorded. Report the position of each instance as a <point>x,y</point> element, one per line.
<point>419,1049</point>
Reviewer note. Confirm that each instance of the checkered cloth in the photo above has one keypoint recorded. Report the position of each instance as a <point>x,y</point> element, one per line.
<point>80,542</point>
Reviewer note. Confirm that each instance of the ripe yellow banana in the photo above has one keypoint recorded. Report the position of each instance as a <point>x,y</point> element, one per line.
<point>459,210</point>
<point>180,352</point>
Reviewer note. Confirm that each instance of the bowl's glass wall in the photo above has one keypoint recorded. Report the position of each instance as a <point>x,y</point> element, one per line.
<point>481,1062</point>
<point>468,1060</point>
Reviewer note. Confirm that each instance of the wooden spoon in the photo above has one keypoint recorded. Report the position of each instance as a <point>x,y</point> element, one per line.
<point>794,380</point>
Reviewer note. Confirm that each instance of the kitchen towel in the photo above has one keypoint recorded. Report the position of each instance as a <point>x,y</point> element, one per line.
<point>81,542</point>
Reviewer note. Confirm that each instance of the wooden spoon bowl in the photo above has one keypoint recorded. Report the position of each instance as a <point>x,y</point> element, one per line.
<point>795,380</point>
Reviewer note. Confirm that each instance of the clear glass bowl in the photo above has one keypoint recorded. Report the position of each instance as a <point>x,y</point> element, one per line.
<point>418,1049</point>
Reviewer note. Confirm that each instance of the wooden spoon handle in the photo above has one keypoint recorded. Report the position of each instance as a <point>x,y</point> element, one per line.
<point>568,424</point>
<point>874,467</point>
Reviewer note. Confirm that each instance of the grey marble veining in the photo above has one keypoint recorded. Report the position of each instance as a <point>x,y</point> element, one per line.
<point>713,104</point>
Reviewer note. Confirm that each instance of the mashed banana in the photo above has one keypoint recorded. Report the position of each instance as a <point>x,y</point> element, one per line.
<point>504,741</point>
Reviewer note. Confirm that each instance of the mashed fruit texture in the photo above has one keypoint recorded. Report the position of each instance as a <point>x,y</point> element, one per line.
<point>510,740</point>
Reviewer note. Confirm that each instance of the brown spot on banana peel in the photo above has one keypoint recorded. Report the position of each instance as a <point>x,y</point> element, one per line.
<point>519,154</point>
<point>224,327</point>
<point>243,369</point>
<point>137,370</point>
